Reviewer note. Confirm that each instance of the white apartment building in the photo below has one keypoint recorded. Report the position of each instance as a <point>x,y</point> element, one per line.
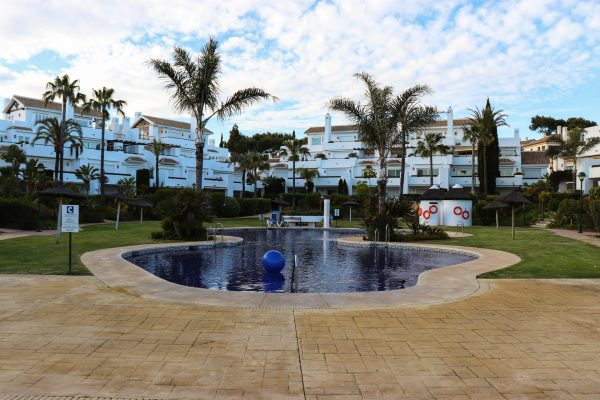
<point>336,153</point>
<point>126,148</point>
<point>588,163</point>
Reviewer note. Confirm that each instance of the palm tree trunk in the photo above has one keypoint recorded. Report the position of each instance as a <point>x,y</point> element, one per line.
<point>62,137</point>
<point>156,183</point>
<point>255,172</point>
<point>382,186</point>
<point>102,154</point>
<point>472,167</point>
<point>574,173</point>
<point>199,164</point>
<point>243,184</point>
<point>56,165</point>
<point>430,168</point>
<point>293,185</point>
<point>402,164</point>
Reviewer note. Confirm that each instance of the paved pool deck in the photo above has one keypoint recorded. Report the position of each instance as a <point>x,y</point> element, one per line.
<point>68,337</point>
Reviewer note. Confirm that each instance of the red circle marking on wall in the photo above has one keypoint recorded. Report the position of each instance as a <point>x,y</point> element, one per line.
<point>467,214</point>
<point>419,211</point>
<point>433,209</point>
<point>426,214</point>
<point>457,210</point>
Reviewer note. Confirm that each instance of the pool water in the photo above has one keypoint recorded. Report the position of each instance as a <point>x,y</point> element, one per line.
<point>323,266</point>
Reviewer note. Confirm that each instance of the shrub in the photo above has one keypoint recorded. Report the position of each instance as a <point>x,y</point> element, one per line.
<point>273,186</point>
<point>263,205</point>
<point>567,213</point>
<point>397,211</point>
<point>18,213</point>
<point>311,201</point>
<point>224,206</point>
<point>185,214</point>
<point>247,207</point>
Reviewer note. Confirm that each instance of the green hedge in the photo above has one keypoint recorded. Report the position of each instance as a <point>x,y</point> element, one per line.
<point>18,213</point>
<point>224,206</point>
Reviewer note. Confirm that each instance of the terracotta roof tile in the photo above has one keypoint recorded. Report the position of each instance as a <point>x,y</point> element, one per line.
<point>352,128</point>
<point>29,102</point>
<point>534,157</point>
<point>170,123</point>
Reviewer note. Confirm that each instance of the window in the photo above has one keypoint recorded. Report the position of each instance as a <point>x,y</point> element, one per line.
<point>39,117</point>
<point>507,172</point>
<point>425,172</point>
<point>393,173</point>
<point>315,141</point>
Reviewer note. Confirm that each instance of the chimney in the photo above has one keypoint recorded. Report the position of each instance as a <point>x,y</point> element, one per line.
<point>327,137</point>
<point>450,126</point>
<point>114,125</point>
<point>211,142</point>
<point>126,125</point>
<point>136,115</point>
<point>516,133</point>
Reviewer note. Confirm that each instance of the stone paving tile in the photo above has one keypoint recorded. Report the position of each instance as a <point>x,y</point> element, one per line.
<point>72,336</point>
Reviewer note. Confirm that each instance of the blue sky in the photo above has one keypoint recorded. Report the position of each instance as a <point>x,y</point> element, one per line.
<point>529,57</point>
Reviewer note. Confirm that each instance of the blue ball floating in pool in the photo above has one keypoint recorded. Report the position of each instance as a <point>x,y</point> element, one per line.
<point>273,261</point>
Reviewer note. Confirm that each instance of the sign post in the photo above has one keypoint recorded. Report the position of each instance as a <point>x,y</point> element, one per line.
<point>70,224</point>
<point>336,214</point>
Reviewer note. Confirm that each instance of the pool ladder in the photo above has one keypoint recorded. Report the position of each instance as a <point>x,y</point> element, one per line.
<point>215,231</point>
<point>460,226</point>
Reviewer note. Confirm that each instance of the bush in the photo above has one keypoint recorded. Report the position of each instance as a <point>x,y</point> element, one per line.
<point>311,201</point>
<point>397,211</point>
<point>185,214</point>
<point>263,205</point>
<point>18,213</point>
<point>224,206</point>
<point>567,213</point>
<point>247,207</point>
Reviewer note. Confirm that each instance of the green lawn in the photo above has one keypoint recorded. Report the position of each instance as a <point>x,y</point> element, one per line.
<point>544,254</point>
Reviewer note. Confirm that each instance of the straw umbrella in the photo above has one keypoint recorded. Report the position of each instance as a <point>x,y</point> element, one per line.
<point>496,205</point>
<point>280,202</point>
<point>141,204</point>
<point>513,199</point>
<point>350,203</point>
<point>119,197</point>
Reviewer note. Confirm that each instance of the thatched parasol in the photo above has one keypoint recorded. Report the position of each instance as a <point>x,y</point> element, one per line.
<point>350,203</point>
<point>496,205</point>
<point>513,198</point>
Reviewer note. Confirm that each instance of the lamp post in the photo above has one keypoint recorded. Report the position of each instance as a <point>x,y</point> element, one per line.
<point>581,177</point>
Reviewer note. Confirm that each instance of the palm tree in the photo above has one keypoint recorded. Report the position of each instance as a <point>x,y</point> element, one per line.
<point>157,148</point>
<point>431,144</point>
<point>56,133</point>
<point>412,118</point>
<point>293,149</point>
<point>87,173</point>
<point>472,134</point>
<point>194,83</point>
<point>572,148</point>
<point>68,92</point>
<point>379,120</point>
<point>487,121</point>
<point>308,174</point>
<point>14,156</point>
<point>241,160</point>
<point>126,186</point>
<point>34,176</point>
<point>256,162</point>
<point>103,100</point>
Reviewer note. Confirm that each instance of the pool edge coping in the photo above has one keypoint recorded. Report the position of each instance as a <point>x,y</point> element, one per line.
<point>434,286</point>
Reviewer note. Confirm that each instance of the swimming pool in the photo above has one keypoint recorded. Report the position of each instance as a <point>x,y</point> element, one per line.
<point>323,265</point>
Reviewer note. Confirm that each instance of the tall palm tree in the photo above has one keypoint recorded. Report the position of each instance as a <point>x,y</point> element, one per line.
<point>241,161</point>
<point>57,134</point>
<point>293,149</point>
<point>194,83</point>
<point>256,162</point>
<point>379,120</point>
<point>487,121</point>
<point>87,173</point>
<point>573,147</point>
<point>68,92</point>
<point>103,100</point>
<point>472,134</point>
<point>428,146</point>
<point>412,118</point>
<point>308,174</point>
<point>157,148</point>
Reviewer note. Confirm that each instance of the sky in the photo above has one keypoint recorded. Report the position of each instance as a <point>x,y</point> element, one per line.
<point>529,57</point>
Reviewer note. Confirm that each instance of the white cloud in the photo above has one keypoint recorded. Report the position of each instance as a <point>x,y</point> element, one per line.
<point>305,53</point>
